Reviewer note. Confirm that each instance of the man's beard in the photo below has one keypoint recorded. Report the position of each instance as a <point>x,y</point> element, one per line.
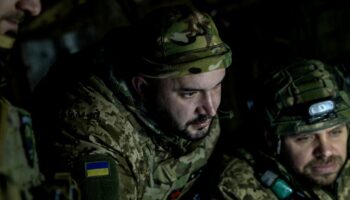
<point>164,118</point>
<point>200,132</point>
<point>17,17</point>
<point>168,124</point>
<point>322,179</point>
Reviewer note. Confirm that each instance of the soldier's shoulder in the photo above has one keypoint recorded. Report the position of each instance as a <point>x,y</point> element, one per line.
<point>238,168</point>
<point>19,161</point>
<point>239,179</point>
<point>100,117</point>
<point>94,105</point>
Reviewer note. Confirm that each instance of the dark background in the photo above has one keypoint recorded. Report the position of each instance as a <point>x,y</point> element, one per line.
<point>262,34</point>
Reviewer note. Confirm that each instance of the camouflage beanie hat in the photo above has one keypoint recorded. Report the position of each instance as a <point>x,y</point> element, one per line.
<point>306,97</point>
<point>179,40</point>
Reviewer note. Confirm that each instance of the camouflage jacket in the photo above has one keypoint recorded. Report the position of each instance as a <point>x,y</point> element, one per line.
<point>19,168</point>
<point>114,151</point>
<point>240,181</point>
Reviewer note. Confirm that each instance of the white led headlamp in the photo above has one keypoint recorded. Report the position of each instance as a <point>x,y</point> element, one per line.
<point>321,108</point>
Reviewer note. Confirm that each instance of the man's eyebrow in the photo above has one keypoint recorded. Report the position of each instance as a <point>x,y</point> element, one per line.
<point>196,89</point>
<point>340,126</point>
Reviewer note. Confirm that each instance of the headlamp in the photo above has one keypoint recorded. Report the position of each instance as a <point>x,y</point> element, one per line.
<point>321,108</point>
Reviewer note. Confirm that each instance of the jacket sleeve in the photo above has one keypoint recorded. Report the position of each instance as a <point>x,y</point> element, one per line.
<point>90,144</point>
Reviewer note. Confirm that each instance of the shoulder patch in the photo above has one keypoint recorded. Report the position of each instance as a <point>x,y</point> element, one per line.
<point>96,169</point>
<point>98,177</point>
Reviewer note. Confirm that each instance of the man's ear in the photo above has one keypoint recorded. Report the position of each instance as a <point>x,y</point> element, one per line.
<point>139,84</point>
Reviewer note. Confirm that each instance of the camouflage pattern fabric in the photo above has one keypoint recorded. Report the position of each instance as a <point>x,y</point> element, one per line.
<point>19,165</point>
<point>19,168</point>
<point>294,101</point>
<point>239,181</point>
<point>292,90</point>
<point>343,190</point>
<point>101,126</point>
<point>178,41</point>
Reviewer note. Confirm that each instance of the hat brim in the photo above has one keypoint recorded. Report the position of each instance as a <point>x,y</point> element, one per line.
<point>201,65</point>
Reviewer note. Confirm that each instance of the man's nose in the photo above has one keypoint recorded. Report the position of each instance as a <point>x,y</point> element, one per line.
<point>33,7</point>
<point>208,106</point>
<point>324,148</point>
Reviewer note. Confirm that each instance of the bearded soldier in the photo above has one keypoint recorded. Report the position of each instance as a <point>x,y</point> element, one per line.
<point>306,107</point>
<point>138,119</point>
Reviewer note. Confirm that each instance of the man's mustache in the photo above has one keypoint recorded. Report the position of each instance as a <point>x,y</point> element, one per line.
<point>17,17</point>
<point>200,119</point>
<point>325,161</point>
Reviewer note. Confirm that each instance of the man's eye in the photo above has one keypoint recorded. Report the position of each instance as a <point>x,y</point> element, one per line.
<point>188,94</point>
<point>303,138</point>
<point>335,133</point>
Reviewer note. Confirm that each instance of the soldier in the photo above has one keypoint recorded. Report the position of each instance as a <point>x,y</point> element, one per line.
<point>19,171</point>
<point>138,123</point>
<point>307,109</point>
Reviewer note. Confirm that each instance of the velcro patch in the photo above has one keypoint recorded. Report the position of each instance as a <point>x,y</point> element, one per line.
<point>96,169</point>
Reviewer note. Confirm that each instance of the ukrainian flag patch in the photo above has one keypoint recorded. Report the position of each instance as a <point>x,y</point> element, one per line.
<point>96,169</point>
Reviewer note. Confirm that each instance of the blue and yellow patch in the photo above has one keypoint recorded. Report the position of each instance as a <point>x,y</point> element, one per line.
<point>96,169</point>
